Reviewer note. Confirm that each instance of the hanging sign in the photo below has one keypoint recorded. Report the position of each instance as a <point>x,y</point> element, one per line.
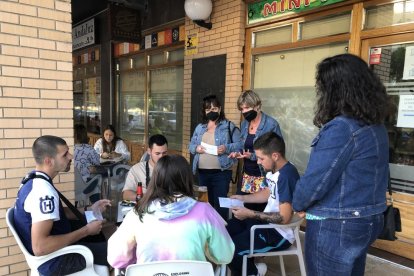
<point>83,35</point>
<point>270,9</point>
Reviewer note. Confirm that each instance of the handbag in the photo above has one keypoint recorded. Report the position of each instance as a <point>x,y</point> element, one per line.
<point>392,220</point>
<point>252,184</point>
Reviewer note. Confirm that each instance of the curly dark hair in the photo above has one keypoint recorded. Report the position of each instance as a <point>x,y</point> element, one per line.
<point>345,85</point>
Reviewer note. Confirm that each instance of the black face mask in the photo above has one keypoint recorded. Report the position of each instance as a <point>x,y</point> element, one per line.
<point>250,115</point>
<point>212,116</point>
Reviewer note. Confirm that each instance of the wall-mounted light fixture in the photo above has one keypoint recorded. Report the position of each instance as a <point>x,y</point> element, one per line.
<point>199,11</point>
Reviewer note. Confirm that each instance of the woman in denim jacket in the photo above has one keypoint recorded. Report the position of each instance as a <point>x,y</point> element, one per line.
<point>214,171</point>
<point>255,124</point>
<point>343,189</point>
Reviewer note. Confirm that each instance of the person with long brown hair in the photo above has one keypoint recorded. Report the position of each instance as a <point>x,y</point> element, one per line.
<point>111,145</point>
<point>169,224</point>
<point>342,193</point>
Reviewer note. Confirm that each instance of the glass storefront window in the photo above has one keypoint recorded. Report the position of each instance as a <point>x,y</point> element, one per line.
<point>333,25</point>
<point>151,97</point>
<point>176,55</point>
<point>397,75</point>
<point>390,14</point>
<point>139,62</point>
<point>166,104</point>
<point>288,95</point>
<point>273,36</point>
<point>87,91</point>
<point>132,106</point>
<point>156,59</point>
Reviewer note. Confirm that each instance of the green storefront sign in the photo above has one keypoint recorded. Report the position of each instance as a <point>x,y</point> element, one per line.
<point>270,9</point>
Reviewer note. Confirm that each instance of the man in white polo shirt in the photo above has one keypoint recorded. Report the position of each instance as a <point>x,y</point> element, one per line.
<point>142,171</point>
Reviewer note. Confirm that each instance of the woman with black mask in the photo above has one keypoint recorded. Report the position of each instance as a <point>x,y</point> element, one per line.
<point>212,142</point>
<point>255,124</point>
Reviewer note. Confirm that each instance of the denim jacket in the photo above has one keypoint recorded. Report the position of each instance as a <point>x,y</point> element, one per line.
<point>347,173</point>
<point>267,124</point>
<point>221,136</point>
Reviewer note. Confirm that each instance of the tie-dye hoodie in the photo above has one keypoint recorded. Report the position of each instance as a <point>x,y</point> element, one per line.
<point>183,230</point>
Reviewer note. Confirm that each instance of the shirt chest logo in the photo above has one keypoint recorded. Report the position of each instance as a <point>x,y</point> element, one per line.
<point>47,205</point>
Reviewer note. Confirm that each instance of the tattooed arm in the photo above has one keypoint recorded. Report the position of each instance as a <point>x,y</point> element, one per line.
<point>270,217</point>
<point>282,217</point>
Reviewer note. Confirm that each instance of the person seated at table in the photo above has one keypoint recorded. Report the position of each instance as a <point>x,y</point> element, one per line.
<point>112,146</point>
<point>85,158</point>
<point>169,224</point>
<point>281,178</point>
<point>142,171</point>
<point>42,221</point>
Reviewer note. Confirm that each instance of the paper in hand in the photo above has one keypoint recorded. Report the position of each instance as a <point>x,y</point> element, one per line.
<point>210,149</point>
<point>230,202</point>
<point>92,216</point>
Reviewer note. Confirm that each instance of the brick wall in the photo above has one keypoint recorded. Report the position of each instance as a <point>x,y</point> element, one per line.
<point>226,37</point>
<point>35,99</point>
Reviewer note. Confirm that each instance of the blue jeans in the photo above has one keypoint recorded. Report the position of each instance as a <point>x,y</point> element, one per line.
<point>217,182</point>
<point>339,246</point>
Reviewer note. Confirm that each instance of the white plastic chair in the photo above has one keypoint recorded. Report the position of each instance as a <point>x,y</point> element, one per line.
<point>85,189</point>
<point>35,261</point>
<point>171,267</point>
<point>295,249</point>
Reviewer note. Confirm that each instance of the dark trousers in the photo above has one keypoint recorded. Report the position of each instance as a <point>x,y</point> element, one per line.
<point>217,182</point>
<point>71,263</point>
<point>265,240</point>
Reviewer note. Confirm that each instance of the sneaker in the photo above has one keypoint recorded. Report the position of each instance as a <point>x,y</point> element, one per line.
<point>261,269</point>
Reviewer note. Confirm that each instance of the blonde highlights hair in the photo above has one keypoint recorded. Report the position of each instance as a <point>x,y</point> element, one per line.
<point>250,99</point>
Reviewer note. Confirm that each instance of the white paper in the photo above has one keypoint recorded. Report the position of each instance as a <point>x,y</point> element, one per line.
<point>230,202</point>
<point>92,216</point>
<point>408,72</point>
<point>406,111</point>
<point>210,149</point>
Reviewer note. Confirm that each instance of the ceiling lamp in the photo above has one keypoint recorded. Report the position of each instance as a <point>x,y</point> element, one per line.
<point>199,11</point>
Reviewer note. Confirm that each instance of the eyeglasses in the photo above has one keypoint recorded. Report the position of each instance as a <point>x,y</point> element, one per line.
<point>214,109</point>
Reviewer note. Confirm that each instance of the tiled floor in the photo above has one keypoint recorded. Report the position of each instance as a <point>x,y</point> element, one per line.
<point>375,266</point>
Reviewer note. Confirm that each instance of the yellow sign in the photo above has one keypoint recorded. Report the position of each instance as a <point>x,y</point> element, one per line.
<point>191,44</point>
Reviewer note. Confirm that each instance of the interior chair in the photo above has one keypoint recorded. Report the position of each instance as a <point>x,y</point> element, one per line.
<point>35,261</point>
<point>171,267</point>
<point>295,249</point>
<point>119,174</point>
<point>85,189</point>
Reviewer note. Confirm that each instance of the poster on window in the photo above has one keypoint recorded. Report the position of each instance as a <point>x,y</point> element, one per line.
<point>406,111</point>
<point>375,56</point>
<point>92,89</point>
<point>408,73</point>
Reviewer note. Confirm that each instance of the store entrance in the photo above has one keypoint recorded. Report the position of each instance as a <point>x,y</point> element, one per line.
<point>392,59</point>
